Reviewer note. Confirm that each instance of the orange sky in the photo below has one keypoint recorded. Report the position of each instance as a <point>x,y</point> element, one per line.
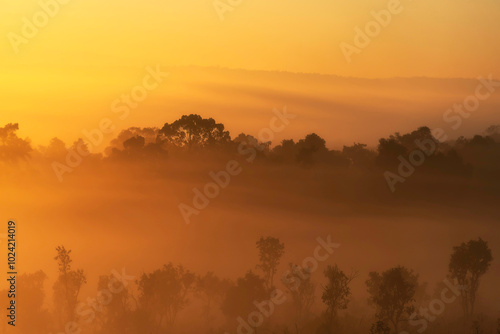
<point>428,38</point>
<point>90,49</point>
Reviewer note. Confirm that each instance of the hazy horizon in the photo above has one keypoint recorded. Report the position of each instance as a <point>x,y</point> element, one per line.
<point>224,94</point>
<point>250,167</point>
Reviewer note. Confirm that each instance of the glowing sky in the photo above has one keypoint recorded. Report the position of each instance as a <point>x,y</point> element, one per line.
<point>90,46</point>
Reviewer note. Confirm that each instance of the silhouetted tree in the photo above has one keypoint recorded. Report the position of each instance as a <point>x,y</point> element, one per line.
<point>239,301</point>
<point>67,286</point>
<point>193,131</point>
<point>115,315</point>
<point>32,298</point>
<point>134,143</point>
<point>411,140</point>
<point>244,141</point>
<point>299,286</point>
<point>137,144</point>
<point>56,150</point>
<point>493,131</point>
<point>483,153</point>
<point>270,253</point>
<point>380,327</point>
<point>468,263</point>
<point>164,293</point>
<point>336,293</point>
<point>286,151</point>
<point>389,149</point>
<point>309,148</point>
<point>13,148</point>
<point>212,290</point>
<point>358,155</point>
<point>392,293</point>
<point>150,136</point>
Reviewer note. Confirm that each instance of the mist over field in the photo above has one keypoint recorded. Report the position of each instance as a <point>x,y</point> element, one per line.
<point>134,206</point>
<point>249,167</point>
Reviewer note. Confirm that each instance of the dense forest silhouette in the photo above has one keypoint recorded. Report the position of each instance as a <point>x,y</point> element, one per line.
<point>197,136</point>
<point>442,171</point>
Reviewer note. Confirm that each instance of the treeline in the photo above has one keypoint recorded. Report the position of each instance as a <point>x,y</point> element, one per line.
<point>193,136</point>
<point>262,300</point>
